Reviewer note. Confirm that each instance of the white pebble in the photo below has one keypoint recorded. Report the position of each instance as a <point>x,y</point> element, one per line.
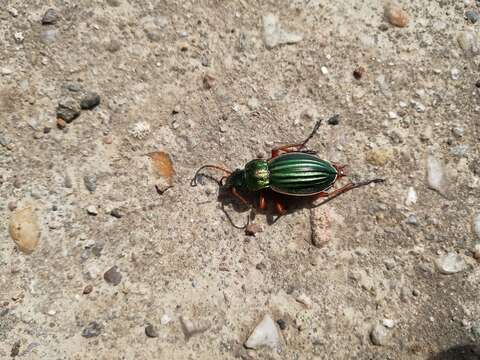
<point>389,323</point>
<point>435,175</point>
<point>165,319</point>
<point>392,115</point>
<point>265,334</point>
<point>455,74</point>
<point>191,328</point>
<point>476,225</point>
<point>305,300</point>
<point>419,107</point>
<point>324,70</point>
<point>411,196</point>
<point>451,263</point>
<point>402,104</point>
<point>379,335</point>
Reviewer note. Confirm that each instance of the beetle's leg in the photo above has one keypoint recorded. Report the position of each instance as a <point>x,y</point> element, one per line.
<point>262,204</point>
<point>279,207</point>
<point>344,189</point>
<point>286,149</point>
<point>300,146</point>
<point>240,197</point>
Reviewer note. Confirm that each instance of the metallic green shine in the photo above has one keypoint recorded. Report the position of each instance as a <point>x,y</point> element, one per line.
<point>295,173</point>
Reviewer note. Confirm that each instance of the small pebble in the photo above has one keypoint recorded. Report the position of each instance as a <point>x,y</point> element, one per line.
<point>50,17</point>
<point>392,115</point>
<point>208,81</point>
<point>476,225</point>
<point>12,205</point>
<point>165,319</point>
<point>412,219</point>
<point>68,109</point>
<point>304,300</point>
<point>25,230</point>
<point>460,150</point>
<point>450,263</point>
<point>379,335</point>
<point>92,210</point>
<point>458,131</point>
<point>472,16</point>
<point>388,323</point>
<point>90,182</point>
<point>282,324</point>
<point>191,328</point>
<point>61,124</point>
<point>116,213</point>
<point>334,120</point>
<point>419,107</point>
<point>93,329</point>
<point>151,331</point>
<point>324,70</point>
<point>264,334</point>
<point>396,15</point>
<point>113,276</point>
<point>455,73</point>
<point>87,289</point>
<point>389,263</point>
<point>359,72</point>
<point>411,197</point>
<point>476,251</point>
<point>89,100</point>
<point>435,174</point>
<point>252,229</point>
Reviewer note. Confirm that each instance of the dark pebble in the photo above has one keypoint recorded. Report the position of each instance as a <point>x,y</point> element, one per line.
<point>12,205</point>
<point>87,289</point>
<point>46,129</point>
<point>50,17</point>
<point>383,27</point>
<point>15,349</point>
<point>74,87</point>
<point>92,330</point>
<point>477,84</point>
<point>116,213</point>
<point>282,324</point>
<point>334,120</point>
<point>113,276</point>
<point>90,100</point>
<point>472,16</point>
<point>150,331</point>
<point>358,72</point>
<point>68,109</point>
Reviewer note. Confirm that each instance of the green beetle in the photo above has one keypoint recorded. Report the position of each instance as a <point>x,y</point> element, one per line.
<point>291,170</point>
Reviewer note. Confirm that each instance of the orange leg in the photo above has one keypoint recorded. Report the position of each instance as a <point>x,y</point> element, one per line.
<point>286,149</point>
<point>296,147</point>
<point>344,189</point>
<point>240,197</point>
<point>280,208</point>
<point>262,204</point>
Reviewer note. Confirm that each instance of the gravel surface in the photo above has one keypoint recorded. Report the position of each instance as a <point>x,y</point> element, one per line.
<point>107,109</point>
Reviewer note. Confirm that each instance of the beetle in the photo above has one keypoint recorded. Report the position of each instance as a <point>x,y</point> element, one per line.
<point>292,170</point>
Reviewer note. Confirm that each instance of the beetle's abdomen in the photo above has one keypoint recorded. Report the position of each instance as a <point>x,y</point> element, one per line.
<point>300,174</point>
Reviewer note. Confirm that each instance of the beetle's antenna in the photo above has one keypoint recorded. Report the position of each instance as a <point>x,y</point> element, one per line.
<point>194,180</point>
<point>231,221</point>
<point>346,188</point>
<point>315,129</point>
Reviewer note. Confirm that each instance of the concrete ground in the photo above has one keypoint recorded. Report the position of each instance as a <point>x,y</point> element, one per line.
<point>118,270</point>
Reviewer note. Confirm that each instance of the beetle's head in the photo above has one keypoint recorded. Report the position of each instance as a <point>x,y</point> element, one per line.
<point>236,179</point>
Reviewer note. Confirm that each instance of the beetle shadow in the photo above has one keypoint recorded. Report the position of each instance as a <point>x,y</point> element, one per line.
<point>292,204</point>
<point>458,352</point>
